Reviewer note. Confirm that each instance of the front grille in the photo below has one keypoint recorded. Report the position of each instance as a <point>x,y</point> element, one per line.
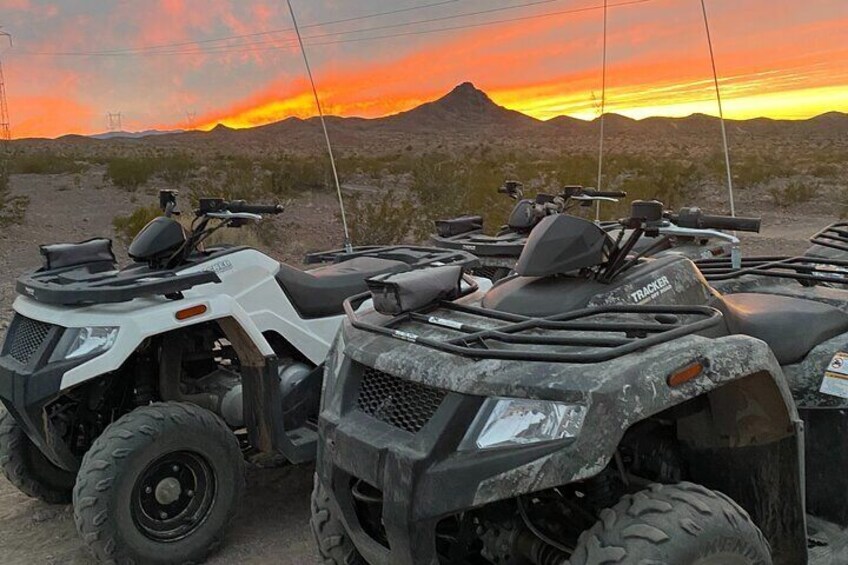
<point>403,404</point>
<point>27,335</point>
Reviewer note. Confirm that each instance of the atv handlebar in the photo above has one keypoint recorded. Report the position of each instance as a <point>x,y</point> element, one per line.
<point>694,218</point>
<point>217,205</point>
<point>604,193</point>
<point>241,206</point>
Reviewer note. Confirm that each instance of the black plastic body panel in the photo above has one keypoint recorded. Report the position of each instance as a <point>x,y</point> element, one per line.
<point>27,388</point>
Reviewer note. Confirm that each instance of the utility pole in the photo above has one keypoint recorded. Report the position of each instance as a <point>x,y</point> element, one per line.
<point>191,115</point>
<point>5,128</point>
<point>114,121</point>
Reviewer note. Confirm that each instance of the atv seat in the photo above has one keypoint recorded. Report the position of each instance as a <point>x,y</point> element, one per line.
<point>320,292</point>
<point>791,327</point>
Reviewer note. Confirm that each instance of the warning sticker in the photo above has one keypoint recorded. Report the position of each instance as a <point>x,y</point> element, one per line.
<point>835,382</point>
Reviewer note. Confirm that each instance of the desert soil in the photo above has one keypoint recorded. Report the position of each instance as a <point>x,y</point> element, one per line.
<point>272,526</point>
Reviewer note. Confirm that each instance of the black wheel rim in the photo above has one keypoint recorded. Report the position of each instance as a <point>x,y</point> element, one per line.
<point>173,496</point>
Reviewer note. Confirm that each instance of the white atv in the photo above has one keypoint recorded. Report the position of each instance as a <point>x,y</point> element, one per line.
<point>135,391</point>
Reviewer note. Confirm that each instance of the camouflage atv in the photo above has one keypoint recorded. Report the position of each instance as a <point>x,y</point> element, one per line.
<point>499,252</point>
<point>597,408</point>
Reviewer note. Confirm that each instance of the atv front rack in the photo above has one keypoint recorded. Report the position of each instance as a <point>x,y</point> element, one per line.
<point>834,236</point>
<point>78,285</point>
<point>589,335</point>
<point>415,256</point>
<point>803,268</point>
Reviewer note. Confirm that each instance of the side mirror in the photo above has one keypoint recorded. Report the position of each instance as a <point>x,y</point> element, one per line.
<point>168,201</point>
<point>513,189</point>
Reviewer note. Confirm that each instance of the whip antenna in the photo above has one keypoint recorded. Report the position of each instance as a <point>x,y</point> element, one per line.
<point>603,110</point>
<point>347,245</point>
<point>720,110</point>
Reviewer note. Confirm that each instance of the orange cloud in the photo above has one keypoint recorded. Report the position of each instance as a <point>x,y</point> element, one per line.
<point>43,116</point>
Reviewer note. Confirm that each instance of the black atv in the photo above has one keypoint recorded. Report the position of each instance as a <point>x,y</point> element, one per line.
<point>498,253</point>
<point>599,407</point>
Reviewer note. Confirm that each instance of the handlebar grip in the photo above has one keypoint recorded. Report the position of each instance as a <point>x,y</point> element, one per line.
<point>731,223</point>
<point>602,193</point>
<point>242,206</point>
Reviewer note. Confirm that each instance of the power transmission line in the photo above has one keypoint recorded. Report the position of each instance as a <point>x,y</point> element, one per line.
<point>114,121</point>
<point>131,50</point>
<point>247,48</point>
<point>394,25</point>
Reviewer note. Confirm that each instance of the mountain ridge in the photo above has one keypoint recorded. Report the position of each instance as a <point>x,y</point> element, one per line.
<point>468,111</point>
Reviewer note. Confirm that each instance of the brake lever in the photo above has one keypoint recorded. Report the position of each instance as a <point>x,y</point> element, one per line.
<point>227,215</point>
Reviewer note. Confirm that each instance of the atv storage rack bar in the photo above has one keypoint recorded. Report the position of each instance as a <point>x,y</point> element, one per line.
<point>77,286</point>
<point>834,236</point>
<point>512,336</point>
<point>424,256</point>
<point>802,268</point>
<point>483,245</point>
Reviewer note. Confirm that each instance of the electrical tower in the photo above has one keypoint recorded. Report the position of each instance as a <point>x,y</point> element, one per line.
<point>114,121</point>
<point>5,128</point>
<point>191,116</point>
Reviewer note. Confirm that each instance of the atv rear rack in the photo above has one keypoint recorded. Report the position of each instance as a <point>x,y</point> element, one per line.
<point>415,256</point>
<point>78,285</point>
<point>803,268</point>
<point>513,336</point>
<point>834,236</point>
<point>483,245</point>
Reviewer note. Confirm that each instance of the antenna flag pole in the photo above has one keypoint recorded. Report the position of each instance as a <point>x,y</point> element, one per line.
<point>720,111</point>
<point>347,245</point>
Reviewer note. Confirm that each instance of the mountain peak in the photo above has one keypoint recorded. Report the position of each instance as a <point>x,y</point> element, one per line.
<point>466,96</point>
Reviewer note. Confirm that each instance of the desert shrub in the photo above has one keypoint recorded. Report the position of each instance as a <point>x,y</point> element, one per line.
<point>289,175</point>
<point>12,208</point>
<point>127,227</point>
<point>130,172</point>
<point>175,168</point>
<point>380,220</point>
<point>752,169</point>
<point>794,192</point>
<point>47,163</point>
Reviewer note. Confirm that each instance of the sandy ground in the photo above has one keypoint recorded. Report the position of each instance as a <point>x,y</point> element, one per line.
<point>273,523</point>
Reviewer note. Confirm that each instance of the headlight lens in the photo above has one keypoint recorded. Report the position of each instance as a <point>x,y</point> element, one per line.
<point>89,340</point>
<point>514,421</point>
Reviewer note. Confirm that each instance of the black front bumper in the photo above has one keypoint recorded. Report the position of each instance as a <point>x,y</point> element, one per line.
<point>422,477</point>
<point>28,385</point>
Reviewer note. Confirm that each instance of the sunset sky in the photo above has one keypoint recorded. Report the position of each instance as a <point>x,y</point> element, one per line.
<point>237,62</point>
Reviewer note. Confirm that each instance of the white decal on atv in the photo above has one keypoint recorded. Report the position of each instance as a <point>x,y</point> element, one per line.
<point>835,382</point>
<point>445,323</point>
<point>220,266</point>
<point>469,247</point>
<point>651,290</point>
<point>29,291</point>
<point>412,338</point>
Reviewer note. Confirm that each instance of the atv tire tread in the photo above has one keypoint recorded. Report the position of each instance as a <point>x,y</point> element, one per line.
<point>334,545</point>
<point>653,517</point>
<point>99,466</point>
<point>18,468</point>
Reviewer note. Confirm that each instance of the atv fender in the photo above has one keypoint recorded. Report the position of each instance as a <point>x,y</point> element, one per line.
<point>137,321</point>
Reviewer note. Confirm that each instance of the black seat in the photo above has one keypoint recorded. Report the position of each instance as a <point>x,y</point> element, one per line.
<point>321,292</point>
<point>790,326</point>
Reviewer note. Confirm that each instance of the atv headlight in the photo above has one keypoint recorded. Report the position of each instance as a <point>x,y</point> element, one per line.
<point>514,421</point>
<point>81,342</point>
